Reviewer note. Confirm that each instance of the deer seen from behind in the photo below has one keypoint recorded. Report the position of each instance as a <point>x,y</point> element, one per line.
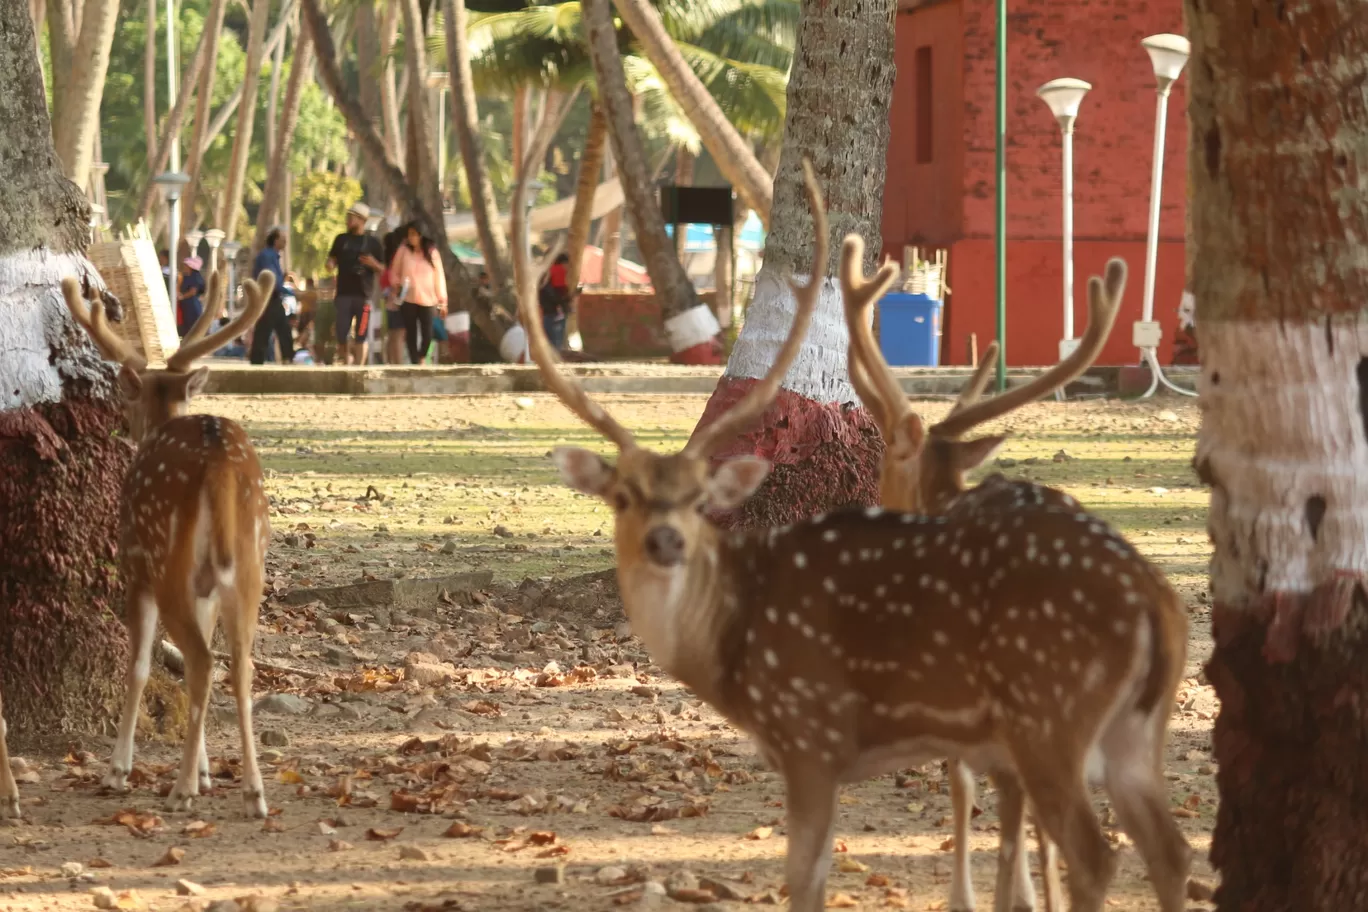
<point>194,529</point>
<point>925,473</point>
<point>1030,640</point>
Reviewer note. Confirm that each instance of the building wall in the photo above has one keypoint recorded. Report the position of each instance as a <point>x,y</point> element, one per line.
<point>1096,40</point>
<point>923,204</point>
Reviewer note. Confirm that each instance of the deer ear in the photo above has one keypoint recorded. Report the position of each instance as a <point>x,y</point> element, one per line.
<point>583,470</point>
<point>910,431</point>
<point>194,384</point>
<point>130,384</point>
<point>971,454</point>
<point>736,479</point>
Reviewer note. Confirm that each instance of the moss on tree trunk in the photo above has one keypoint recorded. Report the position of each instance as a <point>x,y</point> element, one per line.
<point>1278,126</point>
<point>62,645</point>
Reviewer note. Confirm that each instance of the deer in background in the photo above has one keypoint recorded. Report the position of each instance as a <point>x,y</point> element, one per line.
<point>925,473</point>
<point>194,529</point>
<point>1028,640</point>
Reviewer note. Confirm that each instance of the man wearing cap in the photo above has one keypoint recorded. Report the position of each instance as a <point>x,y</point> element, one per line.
<point>356,257</point>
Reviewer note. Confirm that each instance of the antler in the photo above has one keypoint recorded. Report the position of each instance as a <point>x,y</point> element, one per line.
<point>258,293</point>
<point>706,441</point>
<point>878,389</point>
<point>1104,300</point>
<point>974,388</point>
<point>565,387</point>
<point>92,320</point>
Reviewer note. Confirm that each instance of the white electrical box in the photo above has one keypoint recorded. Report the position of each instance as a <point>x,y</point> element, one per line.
<point>1147,334</point>
<point>1068,347</point>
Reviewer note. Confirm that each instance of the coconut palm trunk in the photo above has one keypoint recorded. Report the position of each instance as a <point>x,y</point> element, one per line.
<point>1276,203</point>
<point>242,137</point>
<point>824,447</point>
<point>274,196</point>
<point>62,458</point>
<point>149,76</point>
<point>689,324</point>
<point>204,95</point>
<point>389,94</point>
<point>175,118</point>
<point>732,153</point>
<point>582,216</point>
<point>82,86</point>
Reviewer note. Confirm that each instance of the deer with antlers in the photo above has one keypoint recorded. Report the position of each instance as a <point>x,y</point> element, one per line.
<point>921,472</point>
<point>864,641</point>
<point>195,526</point>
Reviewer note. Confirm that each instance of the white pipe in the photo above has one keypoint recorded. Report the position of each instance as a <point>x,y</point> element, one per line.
<point>1156,194</point>
<point>171,93</point>
<point>1068,233</point>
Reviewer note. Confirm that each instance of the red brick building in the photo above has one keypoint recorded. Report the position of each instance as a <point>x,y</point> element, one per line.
<point>940,185</point>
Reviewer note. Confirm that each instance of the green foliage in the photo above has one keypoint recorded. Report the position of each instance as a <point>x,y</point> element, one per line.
<point>321,199</point>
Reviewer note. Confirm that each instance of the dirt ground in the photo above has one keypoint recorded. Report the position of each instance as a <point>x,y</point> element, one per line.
<point>511,746</point>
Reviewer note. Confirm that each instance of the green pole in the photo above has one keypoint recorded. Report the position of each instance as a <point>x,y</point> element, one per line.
<point>1000,236</point>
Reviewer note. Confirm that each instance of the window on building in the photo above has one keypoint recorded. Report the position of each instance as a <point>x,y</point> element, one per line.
<point>923,71</point>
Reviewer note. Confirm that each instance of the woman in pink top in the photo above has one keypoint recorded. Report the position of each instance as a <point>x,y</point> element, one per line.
<point>417,272</point>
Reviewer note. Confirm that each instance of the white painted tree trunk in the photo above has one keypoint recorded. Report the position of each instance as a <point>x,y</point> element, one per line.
<point>819,372</point>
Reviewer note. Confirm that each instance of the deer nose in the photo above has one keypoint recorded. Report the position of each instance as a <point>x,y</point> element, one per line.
<point>665,546</point>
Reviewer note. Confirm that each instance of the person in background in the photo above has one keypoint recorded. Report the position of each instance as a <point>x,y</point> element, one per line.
<point>417,271</point>
<point>356,256</point>
<point>189,301</point>
<point>274,320</point>
<point>554,297</point>
<point>164,257</point>
<point>394,324</point>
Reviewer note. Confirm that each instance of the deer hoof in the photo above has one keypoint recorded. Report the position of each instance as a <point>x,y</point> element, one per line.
<point>9,808</point>
<point>206,783</point>
<point>254,804</point>
<point>116,780</point>
<point>179,801</point>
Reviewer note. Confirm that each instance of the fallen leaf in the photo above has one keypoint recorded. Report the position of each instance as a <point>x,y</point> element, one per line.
<point>199,829</point>
<point>459,829</point>
<point>764,832</point>
<point>273,825</point>
<point>289,777</point>
<point>841,901</point>
<point>173,856</point>
<point>375,834</point>
<point>541,838</point>
<point>849,865</point>
<point>876,880</point>
<point>99,863</point>
<point>337,845</point>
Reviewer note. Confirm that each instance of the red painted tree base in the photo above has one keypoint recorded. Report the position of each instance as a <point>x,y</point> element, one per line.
<point>710,352</point>
<point>1291,742</point>
<point>824,455</point>
<point>63,658</point>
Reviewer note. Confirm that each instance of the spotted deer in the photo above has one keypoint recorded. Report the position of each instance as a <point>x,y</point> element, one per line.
<point>1028,640</point>
<point>9,789</point>
<point>194,529</point>
<point>921,472</point>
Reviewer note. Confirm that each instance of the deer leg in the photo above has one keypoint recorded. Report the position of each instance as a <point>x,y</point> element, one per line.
<point>1135,785</point>
<point>199,671</point>
<point>1013,892</point>
<point>9,791</point>
<point>1060,798</point>
<point>240,625</point>
<point>142,627</point>
<point>962,801</point>
<point>206,617</point>
<point>1049,871</point>
<point>811,819</point>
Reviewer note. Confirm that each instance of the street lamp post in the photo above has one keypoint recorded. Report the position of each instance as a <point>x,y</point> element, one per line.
<point>1168,55</point>
<point>230,252</point>
<point>214,238</point>
<point>171,183</point>
<point>192,241</point>
<point>1064,97</point>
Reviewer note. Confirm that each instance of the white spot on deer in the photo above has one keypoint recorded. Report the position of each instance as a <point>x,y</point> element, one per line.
<point>750,635</point>
<point>772,614</point>
<point>844,557</point>
<point>833,736</point>
<point>1021,643</point>
<point>874,512</point>
<point>771,659</point>
<point>1065,559</point>
<point>829,584</point>
<point>800,743</point>
<point>754,693</point>
<point>941,638</point>
<point>1120,627</point>
<point>808,631</point>
<point>974,616</point>
<point>1012,614</point>
<point>1085,562</point>
<point>793,619</point>
<point>1040,656</point>
<point>800,560</point>
<point>818,519</point>
<point>826,757</point>
<point>830,535</point>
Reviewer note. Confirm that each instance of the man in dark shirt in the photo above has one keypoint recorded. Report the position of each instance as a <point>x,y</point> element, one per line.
<point>356,257</point>
<point>274,320</point>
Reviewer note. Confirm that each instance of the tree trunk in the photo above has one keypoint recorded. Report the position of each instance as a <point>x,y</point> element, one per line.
<point>424,157</point>
<point>465,120</point>
<point>729,149</point>
<point>62,33</point>
<point>62,460</point>
<point>684,172</point>
<point>824,447</point>
<point>689,324</point>
<point>389,98</point>
<point>520,128</point>
<point>494,317</point>
<point>230,106</point>
<point>174,120</point>
<point>610,230</point>
<point>150,77</point>
<point>204,96</point>
<point>1275,108</point>
<point>242,138</point>
<point>274,196</point>
<point>369,68</point>
<point>273,97</point>
<point>83,88</point>
<point>591,163</point>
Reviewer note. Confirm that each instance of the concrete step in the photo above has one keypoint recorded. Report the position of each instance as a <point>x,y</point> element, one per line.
<point>234,378</point>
